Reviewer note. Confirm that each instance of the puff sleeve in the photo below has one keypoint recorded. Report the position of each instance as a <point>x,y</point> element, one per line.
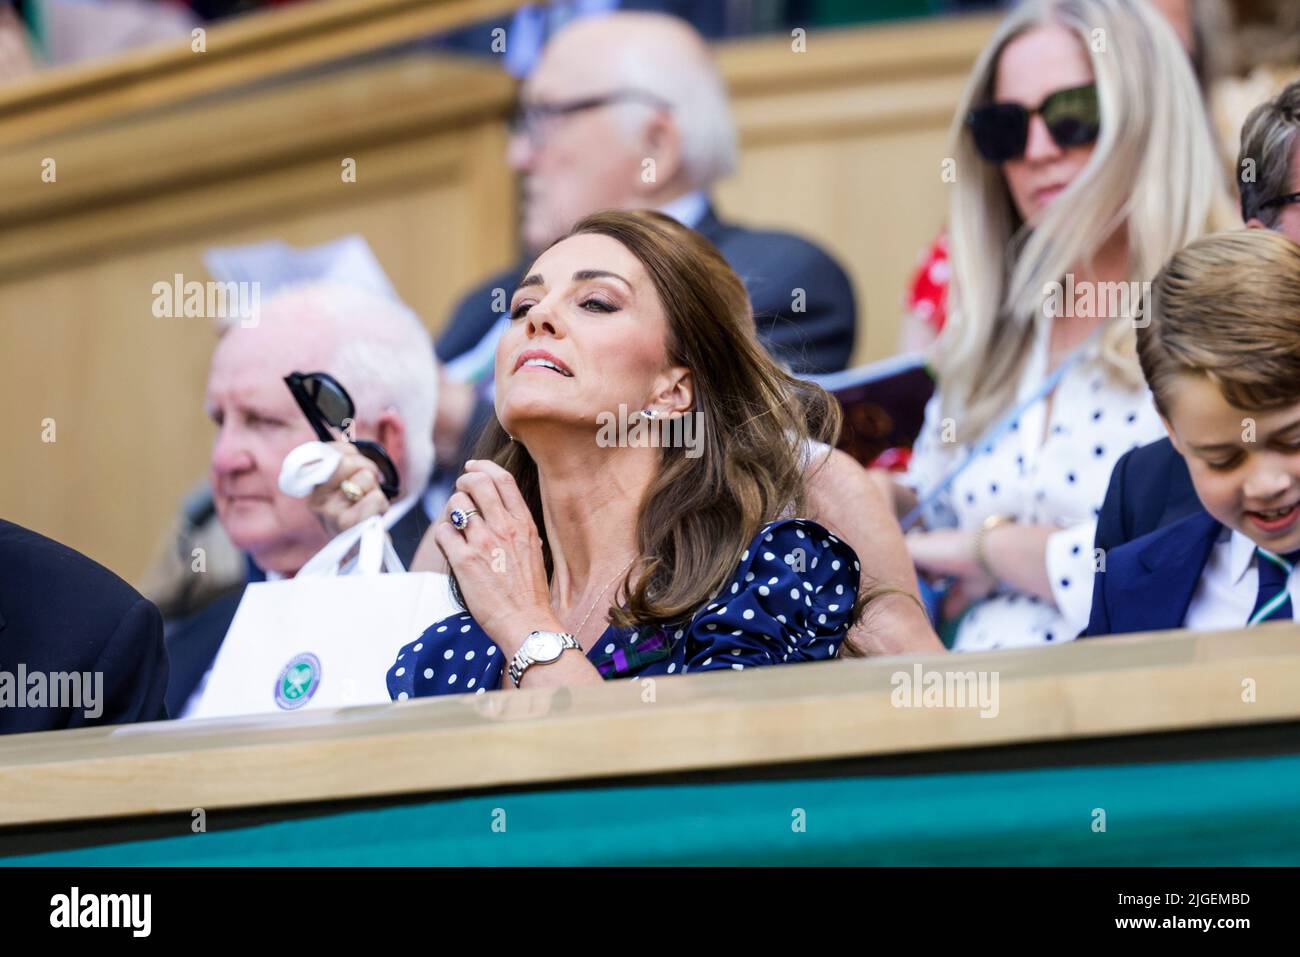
<point>791,599</point>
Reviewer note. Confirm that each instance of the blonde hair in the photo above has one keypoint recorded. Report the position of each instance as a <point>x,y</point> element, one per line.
<point>1226,308</point>
<point>1154,170</point>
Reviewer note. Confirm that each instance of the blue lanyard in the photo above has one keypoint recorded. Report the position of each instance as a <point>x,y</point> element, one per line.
<point>999,429</point>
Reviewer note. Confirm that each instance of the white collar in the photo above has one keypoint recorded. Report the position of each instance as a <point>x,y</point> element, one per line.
<point>1241,553</point>
<point>688,209</point>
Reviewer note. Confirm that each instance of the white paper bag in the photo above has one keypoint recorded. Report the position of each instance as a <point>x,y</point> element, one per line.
<point>327,637</point>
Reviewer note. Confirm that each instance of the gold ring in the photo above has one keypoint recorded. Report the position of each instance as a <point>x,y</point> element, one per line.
<point>351,491</point>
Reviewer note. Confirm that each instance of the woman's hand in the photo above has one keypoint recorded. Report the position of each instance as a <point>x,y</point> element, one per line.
<point>336,510</point>
<point>945,552</point>
<point>497,558</point>
<point>950,553</point>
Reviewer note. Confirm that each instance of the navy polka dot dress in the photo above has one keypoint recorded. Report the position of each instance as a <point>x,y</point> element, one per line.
<point>789,600</point>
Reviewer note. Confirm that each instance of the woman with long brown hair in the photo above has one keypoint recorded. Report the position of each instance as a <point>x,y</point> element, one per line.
<point>635,509</point>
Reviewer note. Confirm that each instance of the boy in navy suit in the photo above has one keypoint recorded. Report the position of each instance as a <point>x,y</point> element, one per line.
<point>1221,354</point>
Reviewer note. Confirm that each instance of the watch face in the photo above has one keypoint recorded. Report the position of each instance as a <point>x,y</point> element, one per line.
<point>544,646</point>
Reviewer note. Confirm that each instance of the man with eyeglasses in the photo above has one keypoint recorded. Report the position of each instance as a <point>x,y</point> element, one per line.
<point>1268,170</point>
<point>628,111</point>
<point>1150,486</point>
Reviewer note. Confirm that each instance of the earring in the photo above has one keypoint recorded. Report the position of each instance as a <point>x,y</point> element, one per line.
<point>649,413</point>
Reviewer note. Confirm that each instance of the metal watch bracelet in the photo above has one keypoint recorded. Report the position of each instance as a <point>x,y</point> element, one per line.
<point>522,661</point>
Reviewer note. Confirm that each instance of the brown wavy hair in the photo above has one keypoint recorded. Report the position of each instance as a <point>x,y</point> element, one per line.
<point>699,513</point>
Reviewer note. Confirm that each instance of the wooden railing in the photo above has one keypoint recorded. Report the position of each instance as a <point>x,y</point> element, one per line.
<point>238,52</point>
<point>1098,688</point>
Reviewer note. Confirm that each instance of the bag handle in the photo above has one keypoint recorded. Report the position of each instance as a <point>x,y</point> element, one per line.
<point>375,553</point>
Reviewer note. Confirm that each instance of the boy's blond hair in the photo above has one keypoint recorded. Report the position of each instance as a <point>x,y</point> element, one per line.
<point>1227,307</point>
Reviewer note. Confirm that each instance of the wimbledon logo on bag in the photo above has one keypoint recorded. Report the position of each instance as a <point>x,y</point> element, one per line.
<point>298,681</point>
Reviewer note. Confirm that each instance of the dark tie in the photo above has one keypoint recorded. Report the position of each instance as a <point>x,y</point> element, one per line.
<point>1273,603</point>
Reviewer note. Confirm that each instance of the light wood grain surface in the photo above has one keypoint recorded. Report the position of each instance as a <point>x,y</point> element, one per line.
<point>1097,688</point>
<point>239,52</point>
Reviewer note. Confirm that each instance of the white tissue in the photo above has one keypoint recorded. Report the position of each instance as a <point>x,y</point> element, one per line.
<point>307,466</point>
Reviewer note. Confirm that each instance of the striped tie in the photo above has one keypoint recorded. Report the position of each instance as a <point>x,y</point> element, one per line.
<point>1274,600</point>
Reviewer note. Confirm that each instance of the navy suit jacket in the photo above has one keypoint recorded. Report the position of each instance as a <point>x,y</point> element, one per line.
<point>193,642</point>
<point>62,612</point>
<point>1149,582</point>
<point>771,264</point>
<point>1149,488</point>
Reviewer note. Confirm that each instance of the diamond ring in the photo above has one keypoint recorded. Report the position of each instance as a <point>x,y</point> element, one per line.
<point>460,517</point>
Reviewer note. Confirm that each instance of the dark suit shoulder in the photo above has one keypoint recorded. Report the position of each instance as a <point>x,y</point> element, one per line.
<point>766,255</point>
<point>1149,487</point>
<point>480,297</point>
<point>1113,519</point>
<point>63,612</point>
<point>1192,533</point>
<point>475,313</point>
<point>40,572</point>
<point>1147,583</point>
<point>1153,458</point>
<point>804,308</point>
<point>192,646</point>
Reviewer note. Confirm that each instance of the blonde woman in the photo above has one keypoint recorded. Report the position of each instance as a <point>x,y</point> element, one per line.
<point>1084,160</point>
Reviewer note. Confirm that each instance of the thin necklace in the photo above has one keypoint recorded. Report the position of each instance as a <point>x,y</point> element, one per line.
<point>600,596</point>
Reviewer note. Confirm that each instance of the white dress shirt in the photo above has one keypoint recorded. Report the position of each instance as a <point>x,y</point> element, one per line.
<point>1229,586</point>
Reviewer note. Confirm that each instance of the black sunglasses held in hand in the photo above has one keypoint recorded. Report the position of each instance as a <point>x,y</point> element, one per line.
<point>326,403</point>
<point>1001,130</point>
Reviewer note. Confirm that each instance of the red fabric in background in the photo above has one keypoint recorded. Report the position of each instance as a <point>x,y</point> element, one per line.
<point>928,295</point>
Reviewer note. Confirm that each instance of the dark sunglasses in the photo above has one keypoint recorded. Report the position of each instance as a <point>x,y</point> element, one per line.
<point>1001,130</point>
<point>326,403</point>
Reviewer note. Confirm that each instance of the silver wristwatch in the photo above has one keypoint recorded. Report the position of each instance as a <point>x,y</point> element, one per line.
<point>540,648</point>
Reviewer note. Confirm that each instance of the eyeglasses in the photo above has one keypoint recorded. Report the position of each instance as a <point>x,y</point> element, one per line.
<point>528,119</point>
<point>1286,200</point>
<point>1001,130</point>
<point>325,402</point>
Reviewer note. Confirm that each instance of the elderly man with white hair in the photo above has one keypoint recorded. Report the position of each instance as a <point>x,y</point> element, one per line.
<point>382,355</point>
<point>628,111</point>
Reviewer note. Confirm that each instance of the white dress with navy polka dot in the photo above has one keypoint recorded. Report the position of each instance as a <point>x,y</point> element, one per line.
<point>789,600</point>
<point>1052,472</point>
